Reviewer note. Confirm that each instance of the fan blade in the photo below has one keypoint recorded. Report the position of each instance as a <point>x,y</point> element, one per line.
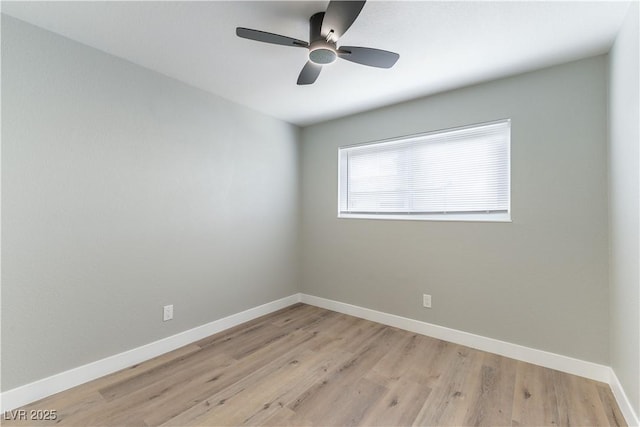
<point>368,56</point>
<point>309,73</point>
<point>339,17</point>
<point>263,36</point>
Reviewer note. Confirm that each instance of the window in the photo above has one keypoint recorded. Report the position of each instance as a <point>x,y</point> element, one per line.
<point>454,174</point>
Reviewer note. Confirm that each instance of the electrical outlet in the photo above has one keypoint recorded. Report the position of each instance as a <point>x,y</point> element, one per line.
<point>426,301</point>
<point>167,312</point>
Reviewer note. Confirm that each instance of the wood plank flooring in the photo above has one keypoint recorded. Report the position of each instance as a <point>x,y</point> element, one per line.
<point>306,366</point>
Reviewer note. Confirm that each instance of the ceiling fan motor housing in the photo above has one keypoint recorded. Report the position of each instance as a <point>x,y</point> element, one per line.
<point>321,51</point>
<point>315,28</point>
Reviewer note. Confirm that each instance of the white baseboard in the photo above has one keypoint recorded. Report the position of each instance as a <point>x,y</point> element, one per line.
<point>515,351</point>
<point>558,362</point>
<point>36,390</point>
<point>623,401</point>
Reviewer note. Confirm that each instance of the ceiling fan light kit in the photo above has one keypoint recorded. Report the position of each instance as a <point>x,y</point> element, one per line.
<point>322,55</point>
<point>325,29</point>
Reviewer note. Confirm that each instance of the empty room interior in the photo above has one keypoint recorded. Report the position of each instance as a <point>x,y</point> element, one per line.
<point>320,213</point>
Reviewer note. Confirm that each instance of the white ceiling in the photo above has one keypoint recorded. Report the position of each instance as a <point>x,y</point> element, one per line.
<point>442,45</point>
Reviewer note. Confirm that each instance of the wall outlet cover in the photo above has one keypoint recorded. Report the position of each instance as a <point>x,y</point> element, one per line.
<point>426,301</point>
<point>167,312</point>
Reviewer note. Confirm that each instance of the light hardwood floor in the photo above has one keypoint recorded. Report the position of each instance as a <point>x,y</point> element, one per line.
<point>304,366</point>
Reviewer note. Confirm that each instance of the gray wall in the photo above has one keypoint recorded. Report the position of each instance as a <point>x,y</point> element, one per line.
<point>624,181</point>
<point>124,190</point>
<point>540,281</point>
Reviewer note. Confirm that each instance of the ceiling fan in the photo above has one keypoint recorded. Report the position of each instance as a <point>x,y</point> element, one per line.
<point>324,31</point>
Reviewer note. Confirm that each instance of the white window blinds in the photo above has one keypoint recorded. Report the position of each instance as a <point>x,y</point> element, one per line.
<point>452,173</point>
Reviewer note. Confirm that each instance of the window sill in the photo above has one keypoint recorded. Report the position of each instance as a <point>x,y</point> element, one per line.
<point>492,217</point>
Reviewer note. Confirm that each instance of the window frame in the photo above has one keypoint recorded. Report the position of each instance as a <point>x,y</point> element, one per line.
<point>448,216</point>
